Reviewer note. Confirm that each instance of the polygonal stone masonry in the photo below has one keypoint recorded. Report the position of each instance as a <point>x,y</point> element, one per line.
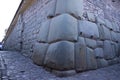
<point>63,27</point>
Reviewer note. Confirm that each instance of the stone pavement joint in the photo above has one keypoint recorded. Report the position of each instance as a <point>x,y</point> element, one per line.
<point>14,66</point>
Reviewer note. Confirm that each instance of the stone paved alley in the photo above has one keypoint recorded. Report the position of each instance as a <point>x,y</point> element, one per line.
<point>14,66</point>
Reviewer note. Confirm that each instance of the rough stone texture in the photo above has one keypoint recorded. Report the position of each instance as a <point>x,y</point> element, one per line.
<point>17,67</point>
<point>91,17</point>
<point>76,9</point>
<point>60,56</point>
<point>88,29</point>
<point>39,52</point>
<point>63,27</point>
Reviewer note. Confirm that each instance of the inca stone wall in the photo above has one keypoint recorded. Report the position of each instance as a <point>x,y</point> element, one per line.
<point>69,36</point>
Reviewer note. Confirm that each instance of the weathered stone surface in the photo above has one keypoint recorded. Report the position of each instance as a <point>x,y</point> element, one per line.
<point>106,33</point>
<point>108,24</point>
<point>115,27</point>
<point>63,27</point>
<point>44,30</point>
<point>91,43</point>
<point>100,43</point>
<point>64,6</point>
<point>102,63</point>
<point>39,52</point>
<point>91,61</point>
<point>100,21</point>
<point>81,41</point>
<point>60,56</point>
<point>80,57</point>
<point>108,51</point>
<point>115,48</point>
<point>113,36</point>
<point>88,29</point>
<point>99,53</point>
<point>91,17</point>
<point>101,31</point>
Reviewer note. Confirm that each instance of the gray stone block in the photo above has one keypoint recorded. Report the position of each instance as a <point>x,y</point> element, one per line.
<point>115,48</point>
<point>108,24</point>
<point>42,36</point>
<point>106,33</point>
<point>99,53</point>
<point>102,63</point>
<point>91,43</point>
<point>114,36</point>
<point>39,52</point>
<point>108,51</point>
<point>91,17</point>
<point>64,6</point>
<point>100,43</point>
<point>100,21</point>
<point>63,27</point>
<point>115,27</point>
<point>80,57</point>
<point>60,56</point>
<point>81,41</point>
<point>88,29</point>
<point>101,31</point>
<point>91,61</point>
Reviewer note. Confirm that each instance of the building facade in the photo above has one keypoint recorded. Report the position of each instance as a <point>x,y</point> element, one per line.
<point>67,35</point>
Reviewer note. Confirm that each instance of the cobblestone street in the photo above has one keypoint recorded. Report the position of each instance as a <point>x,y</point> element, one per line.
<point>14,66</point>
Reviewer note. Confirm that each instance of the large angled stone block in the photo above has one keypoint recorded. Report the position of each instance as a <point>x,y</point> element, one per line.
<point>91,60</point>
<point>63,27</point>
<point>108,51</point>
<point>91,43</point>
<point>60,56</point>
<point>44,30</point>
<point>99,53</point>
<point>88,29</point>
<point>39,52</point>
<point>80,57</point>
<point>74,7</point>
